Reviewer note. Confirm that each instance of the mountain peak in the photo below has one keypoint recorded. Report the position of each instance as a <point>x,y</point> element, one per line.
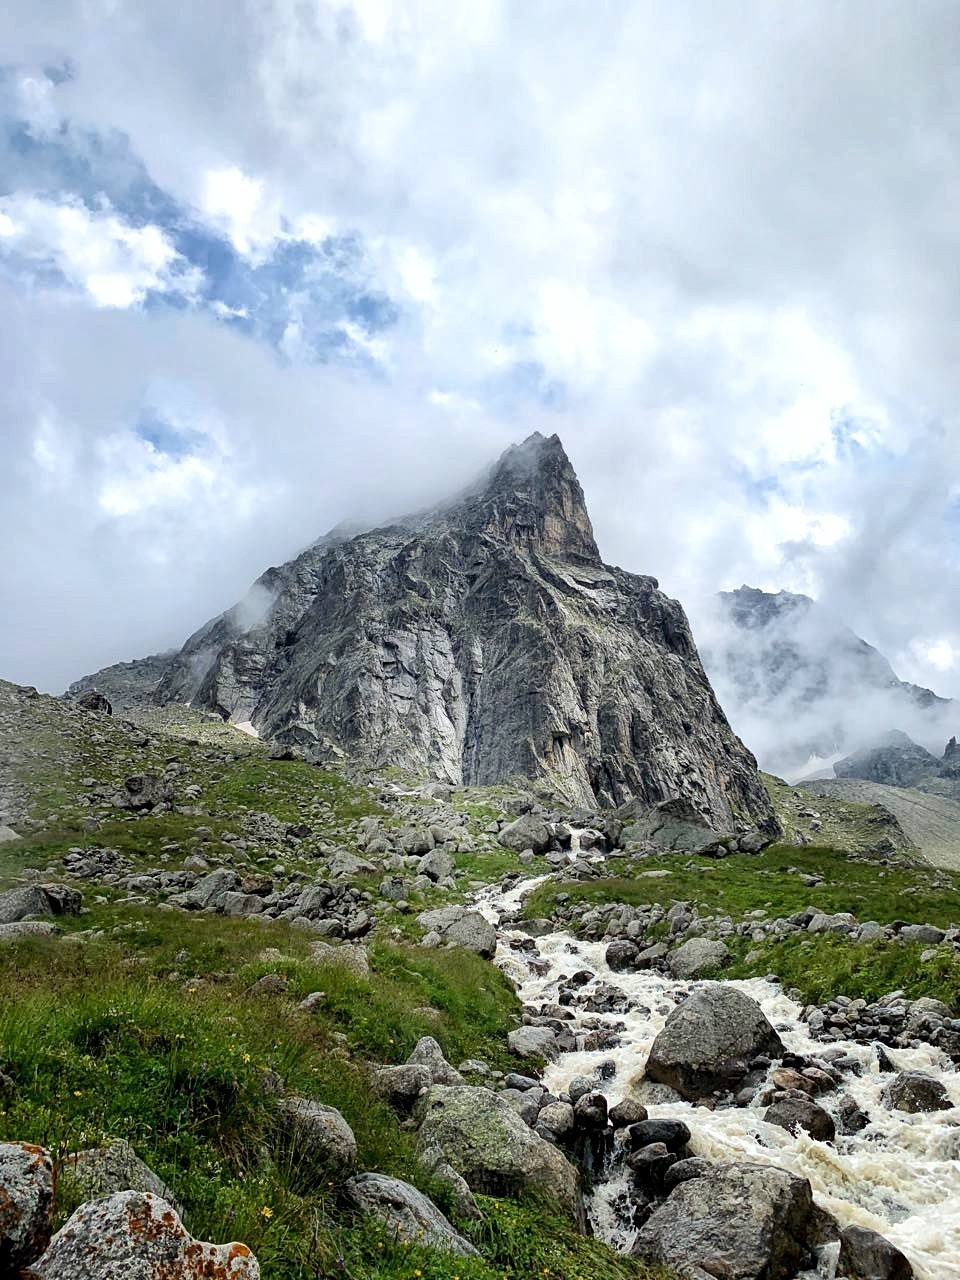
<point>532,495</point>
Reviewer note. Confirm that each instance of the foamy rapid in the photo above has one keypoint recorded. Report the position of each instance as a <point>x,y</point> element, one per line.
<point>900,1175</point>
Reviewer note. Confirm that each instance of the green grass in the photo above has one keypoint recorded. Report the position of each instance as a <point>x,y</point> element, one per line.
<point>739,884</point>
<point>104,1039</point>
<point>288,789</point>
<point>825,966</point>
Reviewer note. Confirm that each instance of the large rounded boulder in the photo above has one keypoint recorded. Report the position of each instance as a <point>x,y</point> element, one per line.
<point>708,1042</point>
<point>740,1221</point>
<point>485,1140</point>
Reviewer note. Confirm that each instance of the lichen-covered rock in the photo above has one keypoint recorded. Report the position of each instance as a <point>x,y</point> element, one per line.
<point>134,1235</point>
<point>697,956</point>
<point>101,1171</point>
<point>708,1041</point>
<point>321,1141</point>
<point>487,1142</point>
<point>406,1213</point>
<point>484,640</point>
<point>401,1086</point>
<point>426,1052</point>
<point>26,1204</point>
<point>739,1221</point>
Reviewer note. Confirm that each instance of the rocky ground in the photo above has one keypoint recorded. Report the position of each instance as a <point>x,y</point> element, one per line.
<point>273,982</point>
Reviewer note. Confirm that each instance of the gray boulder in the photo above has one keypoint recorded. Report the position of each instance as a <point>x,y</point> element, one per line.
<point>527,832</point>
<point>206,893</point>
<point>26,1204</point>
<point>401,1086</point>
<point>426,1052</point>
<point>321,1140</point>
<point>350,956</point>
<point>406,1213</point>
<point>29,929</point>
<point>436,865</point>
<point>101,1171</point>
<point>865,1255</point>
<point>739,1221</point>
<point>533,1042</point>
<point>697,956</point>
<point>708,1041</point>
<point>795,1113</point>
<point>134,1235</point>
<point>487,1142</point>
<point>474,932</point>
<point>39,900</point>
<point>621,955</point>
<point>914,1091</point>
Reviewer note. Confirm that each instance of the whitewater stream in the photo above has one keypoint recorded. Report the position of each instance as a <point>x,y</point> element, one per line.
<point>899,1176</point>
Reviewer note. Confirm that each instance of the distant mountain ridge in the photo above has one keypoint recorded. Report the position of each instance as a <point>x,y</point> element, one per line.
<point>477,642</point>
<point>799,685</point>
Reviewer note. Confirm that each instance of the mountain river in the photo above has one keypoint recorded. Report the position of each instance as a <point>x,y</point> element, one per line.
<point>900,1175</point>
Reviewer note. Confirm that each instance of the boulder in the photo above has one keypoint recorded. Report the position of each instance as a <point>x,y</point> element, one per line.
<point>533,1042</point>
<point>321,1141</point>
<point>29,929</point>
<point>486,1141</point>
<point>26,1204</point>
<point>474,932</point>
<point>697,956</point>
<point>527,832</point>
<point>349,956</point>
<point>674,1134</point>
<point>94,701</point>
<point>401,1086</point>
<point>865,1255</point>
<point>739,1221</point>
<point>621,955</point>
<point>436,865</point>
<point>626,1112</point>
<point>134,1235</point>
<point>102,1171</point>
<point>914,1091</point>
<point>795,1113</point>
<point>406,1213</point>
<point>39,900</point>
<point>207,892</point>
<point>429,1054</point>
<point>708,1042</point>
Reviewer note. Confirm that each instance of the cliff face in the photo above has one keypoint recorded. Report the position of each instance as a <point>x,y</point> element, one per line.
<point>480,641</point>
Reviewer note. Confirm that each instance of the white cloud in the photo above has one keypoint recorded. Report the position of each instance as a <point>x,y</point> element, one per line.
<point>113,264</point>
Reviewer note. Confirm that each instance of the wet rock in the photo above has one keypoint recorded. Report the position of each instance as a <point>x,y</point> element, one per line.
<point>866,1255</point>
<point>426,1052</point>
<point>684,1170</point>
<point>579,1086</point>
<point>674,1134</point>
<point>488,1143</point>
<point>697,956</point>
<point>708,1042</point>
<point>621,955</point>
<point>406,1213</point>
<point>513,1080</point>
<point>134,1235</point>
<point>851,1118</point>
<point>26,1204</point>
<point>914,1091</point>
<point>557,1118</point>
<point>590,1111</point>
<point>321,1141</point>
<point>741,1221</point>
<point>649,1164</point>
<point>102,1171</point>
<point>627,1112</point>
<point>796,1113</point>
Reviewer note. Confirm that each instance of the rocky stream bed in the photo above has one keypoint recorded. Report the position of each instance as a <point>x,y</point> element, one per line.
<point>890,1170</point>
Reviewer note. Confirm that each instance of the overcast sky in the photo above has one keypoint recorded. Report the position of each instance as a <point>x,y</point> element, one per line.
<point>266,264</point>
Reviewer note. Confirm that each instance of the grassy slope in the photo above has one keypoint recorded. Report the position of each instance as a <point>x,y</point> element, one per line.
<point>136,1023</point>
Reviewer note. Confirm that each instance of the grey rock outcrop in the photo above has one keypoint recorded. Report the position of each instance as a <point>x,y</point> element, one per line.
<point>39,900</point>
<point>485,1140</point>
<point>137,1236</point>
<point>708,1042</point>
<point>26,1204</point>
<point>406,1213</point>
<point>739,1221</point>
<point>480,641</point>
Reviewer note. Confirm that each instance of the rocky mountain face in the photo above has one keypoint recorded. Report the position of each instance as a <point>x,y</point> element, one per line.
<point>798,684</point>
<point>475,643</point>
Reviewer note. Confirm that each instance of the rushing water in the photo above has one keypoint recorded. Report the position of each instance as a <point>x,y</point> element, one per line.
<point>899,1176</point>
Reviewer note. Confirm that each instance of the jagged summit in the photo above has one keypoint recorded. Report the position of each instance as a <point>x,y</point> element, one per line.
<point>478,642</point>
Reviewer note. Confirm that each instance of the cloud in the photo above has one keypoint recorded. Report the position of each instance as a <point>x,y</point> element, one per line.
<point>712,245</point>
